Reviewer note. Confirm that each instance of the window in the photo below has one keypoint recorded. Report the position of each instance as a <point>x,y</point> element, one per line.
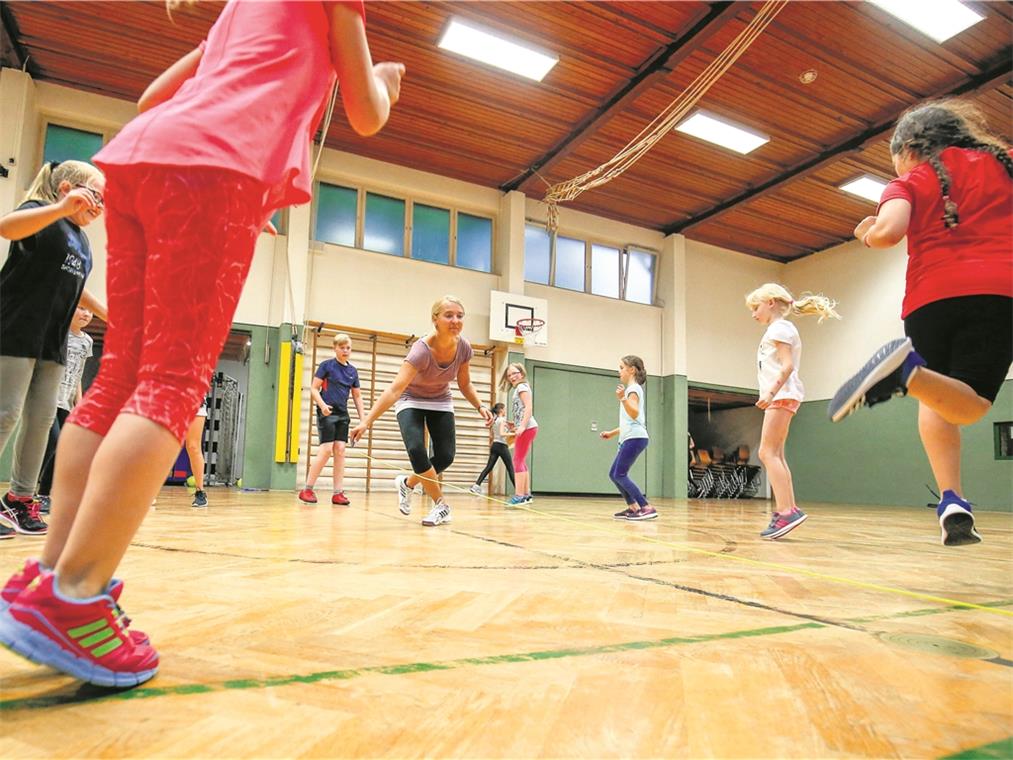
<point>639,276</point>
<point>604,271</point>
<point>280,220</point>
<point>1003,440</point>
<point>336,213</point>
<point>65,143</point>
<point>430,234</point>
<point>569,263</point>
<point>537,254</point>
<point>474,242</point>
<point>589,267</point>
<point>385,220</point>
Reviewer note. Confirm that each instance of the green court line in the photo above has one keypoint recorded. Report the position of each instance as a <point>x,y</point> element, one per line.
<point>145,692</point>
<point>91,694</point>
<point>1001,749</point>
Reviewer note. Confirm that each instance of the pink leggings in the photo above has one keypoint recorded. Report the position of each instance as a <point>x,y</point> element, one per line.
<point>521,446</point>
<point>180,245</point>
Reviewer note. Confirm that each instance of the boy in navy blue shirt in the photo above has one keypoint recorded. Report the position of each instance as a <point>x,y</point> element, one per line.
<point>333,381</point>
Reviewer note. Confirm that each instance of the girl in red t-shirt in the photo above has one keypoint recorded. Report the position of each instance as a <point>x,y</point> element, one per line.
<point>223,139</point>
<point>952,199</point>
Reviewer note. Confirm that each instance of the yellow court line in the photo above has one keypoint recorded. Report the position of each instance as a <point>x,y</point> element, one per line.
<point>720,555</point>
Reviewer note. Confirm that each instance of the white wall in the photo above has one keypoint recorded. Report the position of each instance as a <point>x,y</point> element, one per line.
<point>721,336</point>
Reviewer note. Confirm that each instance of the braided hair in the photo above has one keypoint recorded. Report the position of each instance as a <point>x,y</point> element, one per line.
<point>928,129</point>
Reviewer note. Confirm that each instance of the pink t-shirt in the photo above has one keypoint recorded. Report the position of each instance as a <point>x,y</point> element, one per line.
<point>253,104</point>
<point>430,388</point>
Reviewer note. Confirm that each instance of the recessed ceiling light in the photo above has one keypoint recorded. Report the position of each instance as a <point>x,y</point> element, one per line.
<point>868,187</point>
<point>722,132</point>
<point>808,76</point>
<point>939,19</point>
<point>496,51</point>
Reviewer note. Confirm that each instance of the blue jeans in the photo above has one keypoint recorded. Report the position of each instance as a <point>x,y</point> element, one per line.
<point>629,450</point>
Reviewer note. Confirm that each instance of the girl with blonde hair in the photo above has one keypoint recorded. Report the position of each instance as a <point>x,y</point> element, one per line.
<point>41,286</point>
<point>778,360</point>
<point>523,429</point>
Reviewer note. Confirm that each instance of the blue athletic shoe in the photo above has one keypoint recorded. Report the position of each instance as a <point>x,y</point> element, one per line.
<point>956,521</point>
<point>884,376</point>
<point>516,500</point>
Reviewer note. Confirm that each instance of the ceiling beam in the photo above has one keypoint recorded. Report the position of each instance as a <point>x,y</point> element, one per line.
<point>654,69</point>
<point>988,79</point>
<point>11,52</point>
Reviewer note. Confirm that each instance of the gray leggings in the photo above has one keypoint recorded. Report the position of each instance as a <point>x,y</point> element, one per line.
<point>28,389</point>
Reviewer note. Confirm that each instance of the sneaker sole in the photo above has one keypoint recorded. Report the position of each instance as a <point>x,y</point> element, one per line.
<point>957,527</point>
<point>641,518</point>
<point>849,395</point>
<point>37,648</point>
<point>787,528</point>
<point>431,524</point>
<point>13,525</point>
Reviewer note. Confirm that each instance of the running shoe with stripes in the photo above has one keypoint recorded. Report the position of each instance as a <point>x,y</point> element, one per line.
<point>884,376</point>
<point>33,569</point>
<point>404,494</point>
<point>783,524</point>
<point>22,514</point>
<point>84,638</point>
<point>438,515</point>
<point>644,513</point>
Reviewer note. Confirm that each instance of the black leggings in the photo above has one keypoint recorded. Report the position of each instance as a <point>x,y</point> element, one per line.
<point>48,462</point>
<point>498,450</point>
<point>442,437</point>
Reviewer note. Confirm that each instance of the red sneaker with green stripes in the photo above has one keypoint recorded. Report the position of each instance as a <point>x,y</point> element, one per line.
<point>85,638</point>
<point>21,580</point>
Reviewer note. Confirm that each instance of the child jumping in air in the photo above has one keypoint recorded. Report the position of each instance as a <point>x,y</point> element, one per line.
<point>778,360</point>
<point>953,200</point>
<point>222,141</point>
<point>333,382</point>
<point>633,438</point>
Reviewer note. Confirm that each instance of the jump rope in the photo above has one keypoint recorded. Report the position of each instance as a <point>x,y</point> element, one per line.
<point>614,531</point>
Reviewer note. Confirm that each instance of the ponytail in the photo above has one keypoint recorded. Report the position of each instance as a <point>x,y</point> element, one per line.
<point>45,188</point>
<point>637,364</point>
<point>808,304</point>
<point>815,303</point>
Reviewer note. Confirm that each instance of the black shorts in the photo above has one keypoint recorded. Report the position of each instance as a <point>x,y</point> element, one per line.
<point>333,427</point>
<point>969,338</point>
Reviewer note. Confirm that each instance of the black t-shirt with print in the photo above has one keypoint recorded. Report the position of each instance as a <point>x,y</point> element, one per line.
<point>40,285</point>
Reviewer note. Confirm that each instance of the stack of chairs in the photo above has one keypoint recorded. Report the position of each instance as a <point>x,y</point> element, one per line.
<point>713,476</point>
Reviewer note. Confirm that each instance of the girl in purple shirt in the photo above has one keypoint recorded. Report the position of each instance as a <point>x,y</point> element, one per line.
<point>420,395</point>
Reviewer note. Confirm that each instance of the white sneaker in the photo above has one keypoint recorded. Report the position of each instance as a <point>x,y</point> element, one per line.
<point>438,515</point>
<point>404,494</point>
<point>476,489</point>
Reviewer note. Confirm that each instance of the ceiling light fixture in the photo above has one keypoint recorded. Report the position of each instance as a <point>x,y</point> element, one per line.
<point>496,51</point>
<point>722,132</point>
<point>939,19</point>
<point>868,187</point>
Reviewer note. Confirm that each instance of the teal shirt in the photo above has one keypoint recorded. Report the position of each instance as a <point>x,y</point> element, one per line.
<point>629,427</point>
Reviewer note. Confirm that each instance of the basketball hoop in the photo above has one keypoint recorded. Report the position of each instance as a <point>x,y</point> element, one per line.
<point>527,327</point>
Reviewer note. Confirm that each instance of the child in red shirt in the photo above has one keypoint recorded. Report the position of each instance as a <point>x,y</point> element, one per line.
<point>223,140</point>
<point>952,199</point>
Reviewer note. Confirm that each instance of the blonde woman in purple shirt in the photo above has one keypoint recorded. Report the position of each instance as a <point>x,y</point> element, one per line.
<point>420,395</point>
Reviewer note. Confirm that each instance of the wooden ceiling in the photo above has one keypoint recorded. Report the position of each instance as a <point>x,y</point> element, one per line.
<point>620,64</point>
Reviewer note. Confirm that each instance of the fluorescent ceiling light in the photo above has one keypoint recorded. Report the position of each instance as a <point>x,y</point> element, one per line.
<point>939,19</point>
<point>496,51</point>
<point>721,132</point>
<point>868,187</point>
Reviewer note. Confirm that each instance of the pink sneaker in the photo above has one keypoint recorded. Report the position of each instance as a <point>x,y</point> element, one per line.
<point>83,638</point>
<point>306,496</point>
<point>33,568</point>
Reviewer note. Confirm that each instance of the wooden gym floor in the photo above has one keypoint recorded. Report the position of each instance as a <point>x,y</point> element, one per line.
<point>295,631</point>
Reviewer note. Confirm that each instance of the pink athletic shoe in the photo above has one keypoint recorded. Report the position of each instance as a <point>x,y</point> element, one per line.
<point>32,569</point>
<point>84,638</point>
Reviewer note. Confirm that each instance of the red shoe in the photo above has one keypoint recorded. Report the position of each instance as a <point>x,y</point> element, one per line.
<point>33,568</point>
<point>307,496</point>
<point>83,638</point>
<point>340,499</point>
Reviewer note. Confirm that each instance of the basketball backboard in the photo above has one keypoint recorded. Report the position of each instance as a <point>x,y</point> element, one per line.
<point>504,311</point>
